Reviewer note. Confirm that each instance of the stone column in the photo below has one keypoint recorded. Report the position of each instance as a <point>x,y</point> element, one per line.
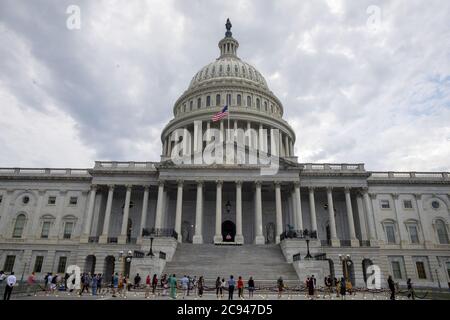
<point>312,209</point>
<point>218,234</point>
<point>334,239</point>
<point>198,236</point>
<point>239,238</point>
<point>259,238</point>
<point>104,237</point>
<point>402,233</point>
<point>90,212</point>
<point>351,223</point>
<point>249,135</point>
<point>159,206</point>
<point>428,238</point>
<point>169,146</point>
<point>286,143</point>
<point>126,213</point>
<point>294,209</point>
<point>279,213</point>
<point>298,206</point>
<point>261,138</point>
<point>369,211</point>
<point>208,131</point>
<point>361,215</point>
<point>291,146</point>
<point>222,133</point>
<point>144,210</point>
<point>179,210</point>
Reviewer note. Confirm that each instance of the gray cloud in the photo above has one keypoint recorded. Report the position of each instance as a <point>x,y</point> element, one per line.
<point>107,90</point>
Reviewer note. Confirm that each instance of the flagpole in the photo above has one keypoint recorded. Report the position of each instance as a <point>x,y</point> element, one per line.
<point>228,131</point>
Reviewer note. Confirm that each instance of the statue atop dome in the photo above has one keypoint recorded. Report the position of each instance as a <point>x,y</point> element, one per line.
<point>228,25</point>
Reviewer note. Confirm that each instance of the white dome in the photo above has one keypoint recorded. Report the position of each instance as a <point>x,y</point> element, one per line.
<point>228,67</point>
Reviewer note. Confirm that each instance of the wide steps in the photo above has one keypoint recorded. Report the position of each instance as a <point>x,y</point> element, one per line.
<point>264,263</point>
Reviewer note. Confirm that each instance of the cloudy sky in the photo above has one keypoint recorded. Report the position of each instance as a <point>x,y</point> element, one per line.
<point>361,81</point>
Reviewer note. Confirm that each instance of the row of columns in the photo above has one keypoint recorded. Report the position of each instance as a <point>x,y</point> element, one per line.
<point>260,140</point>
<point>198,236</point>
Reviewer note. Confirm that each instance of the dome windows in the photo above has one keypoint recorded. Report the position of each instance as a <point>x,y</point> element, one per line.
<point>265,106</point>
<point>249,101</point>
<point>199,103</point>
<point>238,98</point>
<point>258,104</point>
<point>208,101</point>
<point>218,100</point>
<point>191,105</point>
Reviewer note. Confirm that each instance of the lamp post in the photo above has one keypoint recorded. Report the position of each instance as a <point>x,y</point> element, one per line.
<point>345,259</point>
<point>150,253</point>
<point>307,238</point>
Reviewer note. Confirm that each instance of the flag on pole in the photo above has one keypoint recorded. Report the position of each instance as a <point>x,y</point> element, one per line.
<point>220,115</point>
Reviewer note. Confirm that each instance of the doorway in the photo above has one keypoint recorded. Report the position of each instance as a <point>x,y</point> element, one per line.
<point>228,231</point>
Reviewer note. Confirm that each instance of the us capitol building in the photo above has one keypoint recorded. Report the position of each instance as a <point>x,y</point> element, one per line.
<point>216,219</point>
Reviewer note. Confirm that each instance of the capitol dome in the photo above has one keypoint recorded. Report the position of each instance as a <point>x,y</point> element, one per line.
<point>228,81</point>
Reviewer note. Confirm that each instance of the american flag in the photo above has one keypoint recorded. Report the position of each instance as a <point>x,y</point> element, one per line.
<point>219,115</point>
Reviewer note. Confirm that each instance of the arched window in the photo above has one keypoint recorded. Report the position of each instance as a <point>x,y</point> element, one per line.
<point>199,103</point>
<point>19,226</point>
<point>265,106</point>
<point>208,101</point>
<point>191,105</point>
<point>441,230</point>
<point>239,100</point>
<point>184,107</point>
<point>218,100</point>
<point>258,104</point>
<point>249,101</point>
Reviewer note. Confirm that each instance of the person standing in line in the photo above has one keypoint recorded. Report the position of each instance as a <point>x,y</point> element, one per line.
<point>251,287</point>
<point>223,284</point>
<point>240,286</point>
<point>231,285</point>
<point>194,285</point>
<point>338,287</point>
<point>148,284</point>
<point>173,286</point>
<point>411,293</point>
<point>115,284</point>
<point>137,281</point>
<point>218,288</point>
<point>200,286</point>
<point>30,282</point>
<point>99,283</point>
<point>314,285</point>
<point>391,285</point>
<point>343,288</point>
<point>154,284</point>
<point>311,291</point>
<point>94,285</point>
<point>280,285</point>
<point>164,284</point>
<point>184,285</point>
<point>10,283</point>
<point>189,285</point>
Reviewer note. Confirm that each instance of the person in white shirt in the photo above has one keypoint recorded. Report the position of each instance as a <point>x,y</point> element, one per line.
<point>10,283</point>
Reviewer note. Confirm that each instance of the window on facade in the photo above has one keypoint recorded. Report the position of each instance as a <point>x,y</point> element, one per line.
<point>396,269</point>
<point>25,199</point>
<point>258,104</point>
<point>413,234</point>
<point>407,204</point>
<point>191,105</point>
<point>19,226</point>
<point>208,101</point>
<point>249,101</point>
<point>199,103</point>
<point>385,204</point>
<point>73,201</point>
<point>45,229</point>
<point>9,264</point>
<point>265,106</point>
<point>421,270</point>
<point>1,198</point>
<point>218,100</point>
<point>68,228</point>
<point>184,107</point>
<point>238,102</point>
<point>38,264</point>
<point>390,232</point>
<point>441,230</point>
<point>62,265</point>
<point>51,200</point>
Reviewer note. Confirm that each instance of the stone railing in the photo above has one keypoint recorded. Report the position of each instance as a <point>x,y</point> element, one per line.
<point>410,175</point>
<point>124,165</point>
<point>58,172</point>
<point>358,167</point>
